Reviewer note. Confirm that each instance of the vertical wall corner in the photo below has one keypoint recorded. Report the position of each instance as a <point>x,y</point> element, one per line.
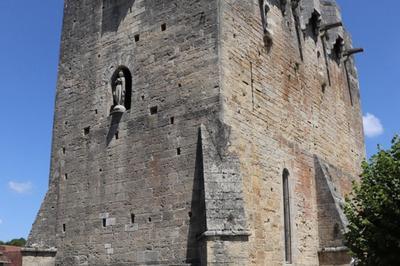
<point>43,232</point>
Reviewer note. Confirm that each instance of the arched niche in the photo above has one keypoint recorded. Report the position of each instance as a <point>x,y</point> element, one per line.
<point>127,87</point>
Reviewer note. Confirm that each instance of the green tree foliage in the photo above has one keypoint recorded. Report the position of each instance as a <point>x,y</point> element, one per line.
<point>20,242</point>
<point>373,211</point>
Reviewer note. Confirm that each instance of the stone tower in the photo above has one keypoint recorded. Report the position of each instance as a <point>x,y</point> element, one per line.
<point>202,132</point>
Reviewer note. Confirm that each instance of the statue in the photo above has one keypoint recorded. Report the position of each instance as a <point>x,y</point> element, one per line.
<point>283,6</point>
<point>119,90</point>
<point>264,8</point>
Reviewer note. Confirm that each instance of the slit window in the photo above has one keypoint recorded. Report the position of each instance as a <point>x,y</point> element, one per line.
<point>104,221</point>
<point>286,215</point>
<point>132,218</point>
<point>64,227</point>
<point>163,27</point>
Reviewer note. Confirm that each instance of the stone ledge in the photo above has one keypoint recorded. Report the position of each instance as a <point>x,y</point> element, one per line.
<point>39,252</point>
<point>229,235</point>
<point>334,249</point>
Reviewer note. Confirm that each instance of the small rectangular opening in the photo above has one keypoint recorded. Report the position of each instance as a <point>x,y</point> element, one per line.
<point>86,131</point>
<point>132,218</point>
<point>65,176</point>
<point>63,228</point>
<point>153,110</point>
<point>104,222</point>
<point>178,151</point>
<point>117,135</point>
<point>63,150</point>
<point>137,37</point>
<point>163,27</point>
<point>172,120</point>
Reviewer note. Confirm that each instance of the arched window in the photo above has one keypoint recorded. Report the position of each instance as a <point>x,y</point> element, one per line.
<point>121,85</point>
<point>286,214</point>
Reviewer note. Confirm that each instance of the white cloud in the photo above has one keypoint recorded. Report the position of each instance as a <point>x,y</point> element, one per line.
<point>1,221</point>
<point>372,126</point>
<point>20,187</point>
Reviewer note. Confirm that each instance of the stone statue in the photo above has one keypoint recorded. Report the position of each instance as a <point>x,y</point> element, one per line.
<point>119,90</point>
<point>264,8</point>
<point>283,6</point>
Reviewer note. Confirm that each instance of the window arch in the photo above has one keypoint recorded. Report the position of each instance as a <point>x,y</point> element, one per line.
<point>286,215</point>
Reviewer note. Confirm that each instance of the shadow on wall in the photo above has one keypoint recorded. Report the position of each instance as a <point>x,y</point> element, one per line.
<point>113,130</point>
<point>197,214</point>
<point>114,12</point>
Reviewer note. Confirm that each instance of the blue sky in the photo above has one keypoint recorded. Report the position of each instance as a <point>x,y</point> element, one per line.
<point>375,26</point>
<point>29,46</point>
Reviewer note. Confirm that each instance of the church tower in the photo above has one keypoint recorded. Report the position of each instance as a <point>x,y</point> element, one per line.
<point>202,132</point>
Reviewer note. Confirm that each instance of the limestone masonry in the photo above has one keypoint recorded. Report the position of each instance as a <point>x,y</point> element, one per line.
<point>201,132</point>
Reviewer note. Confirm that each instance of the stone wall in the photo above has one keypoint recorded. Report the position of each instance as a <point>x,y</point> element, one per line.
<point>38,261</point>
<point>10,255</point>
<point>224,98</point>
<point>123,189</point>
<point>286,104</point>
<point>38,257</point>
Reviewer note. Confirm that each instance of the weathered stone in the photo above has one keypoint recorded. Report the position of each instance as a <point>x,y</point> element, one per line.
<point>191,172</point>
